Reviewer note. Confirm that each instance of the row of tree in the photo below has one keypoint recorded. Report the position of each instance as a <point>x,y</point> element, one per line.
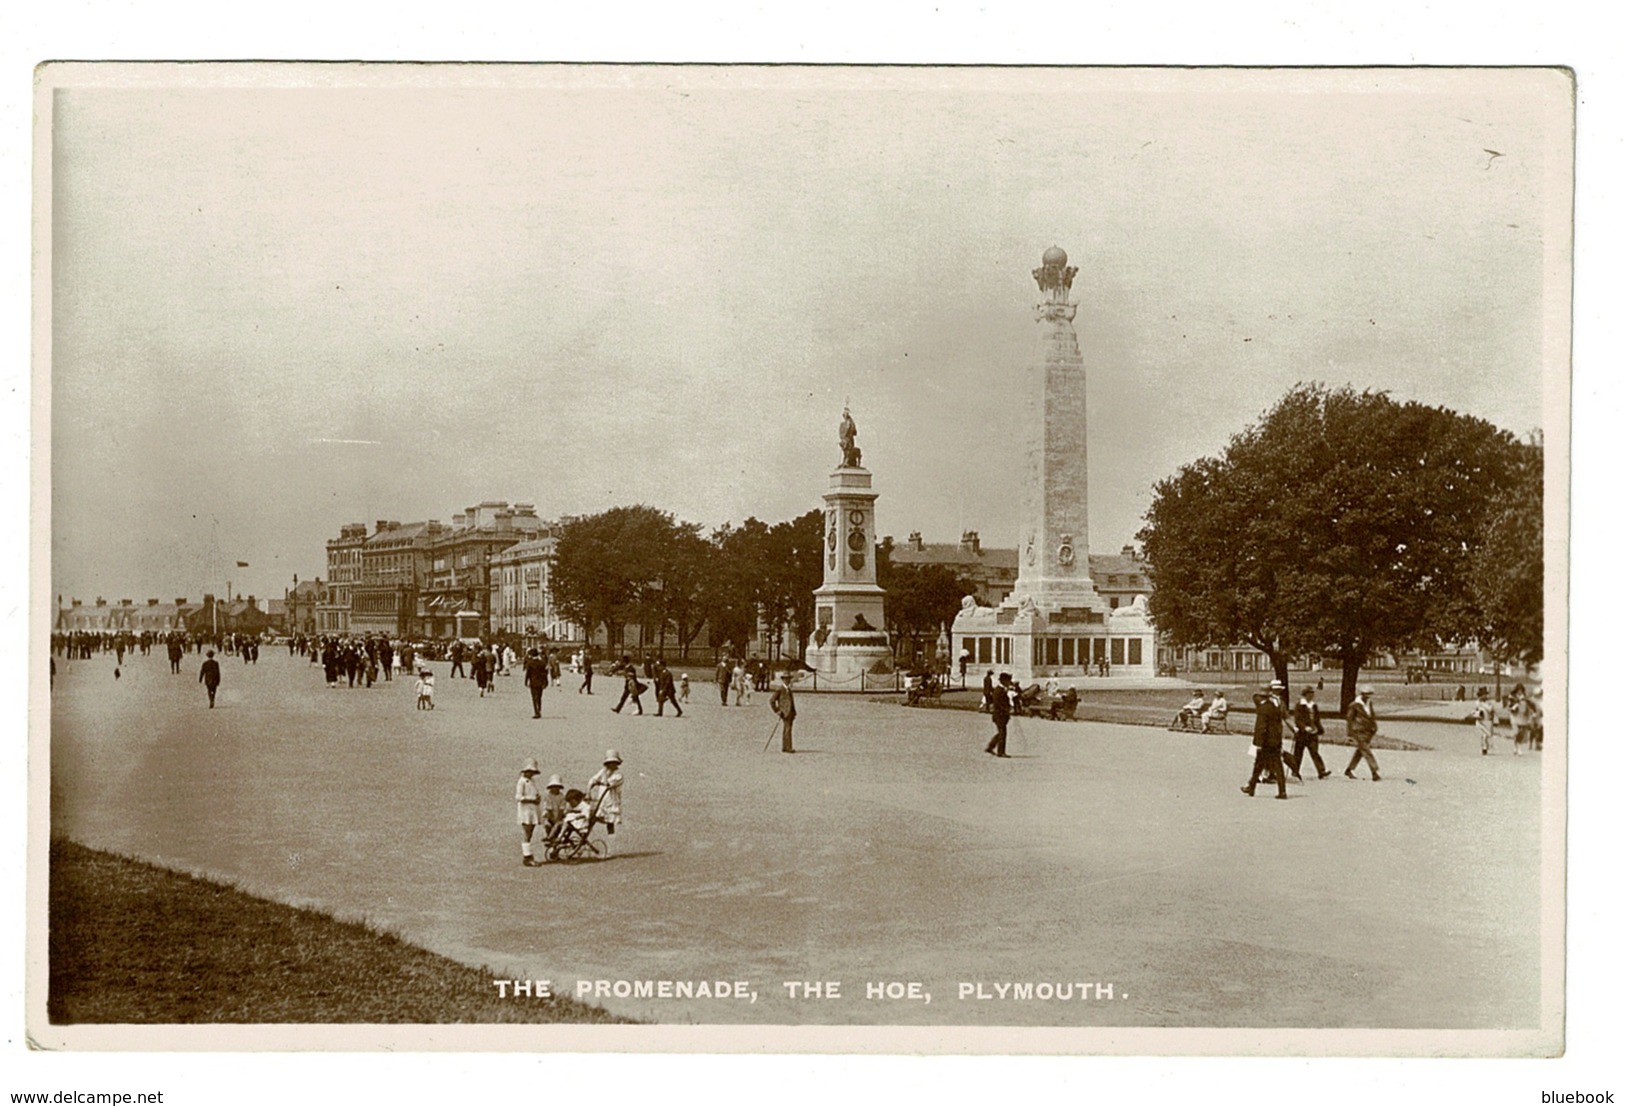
<point>1346,524</point>
<point>640,566</point>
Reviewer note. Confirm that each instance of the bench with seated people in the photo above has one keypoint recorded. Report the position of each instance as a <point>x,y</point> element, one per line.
<point>1064,707</point>
<point>1199,715</point>
<point>921,685</point>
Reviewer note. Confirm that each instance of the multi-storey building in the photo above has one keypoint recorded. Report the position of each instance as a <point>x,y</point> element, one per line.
<point>343,574</point>
<point>455,599</point>
<point>522,596</point>
<point>395,561</point>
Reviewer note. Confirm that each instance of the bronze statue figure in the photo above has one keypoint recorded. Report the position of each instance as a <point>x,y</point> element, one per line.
<point>851,455</point>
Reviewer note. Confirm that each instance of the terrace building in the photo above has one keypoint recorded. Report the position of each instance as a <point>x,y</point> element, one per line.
<point>455,599</point>
<point>521,595</point>
<point>395,562</point>
<point>343,574</point>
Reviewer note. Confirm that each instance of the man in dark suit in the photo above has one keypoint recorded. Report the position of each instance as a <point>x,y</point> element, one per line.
<point>1307,729</point>
<point>536,680</point>
<point>209,676</point>
<point>784,705</point>
<point>1001,716</point>
<point>1267,730</point>
<point>665,690</point>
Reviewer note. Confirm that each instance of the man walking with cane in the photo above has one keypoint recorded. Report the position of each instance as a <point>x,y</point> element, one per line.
<point>1267,734</point>
<point>783,703</point>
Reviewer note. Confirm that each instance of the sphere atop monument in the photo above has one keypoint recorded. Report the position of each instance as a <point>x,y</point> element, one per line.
<point>1055,258</point>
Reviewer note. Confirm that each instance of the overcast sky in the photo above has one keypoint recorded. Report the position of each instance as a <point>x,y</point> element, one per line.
<point>276,310</point>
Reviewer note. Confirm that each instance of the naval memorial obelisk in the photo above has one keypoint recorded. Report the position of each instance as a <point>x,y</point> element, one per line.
<point>1054,622</point>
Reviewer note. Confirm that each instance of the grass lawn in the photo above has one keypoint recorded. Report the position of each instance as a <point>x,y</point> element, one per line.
<point>131,942</point>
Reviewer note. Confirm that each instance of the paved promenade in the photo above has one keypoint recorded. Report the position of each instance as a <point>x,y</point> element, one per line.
<point>888,850</point>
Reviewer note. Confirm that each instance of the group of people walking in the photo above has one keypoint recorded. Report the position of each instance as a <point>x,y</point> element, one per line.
<point>1269,726</point>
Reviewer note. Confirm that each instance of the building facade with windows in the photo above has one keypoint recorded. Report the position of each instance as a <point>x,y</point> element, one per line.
<point>395,561</point>
<point>455,599</point>
<point>521,595</point>
<point>343,574</point>
<point>300,603</point>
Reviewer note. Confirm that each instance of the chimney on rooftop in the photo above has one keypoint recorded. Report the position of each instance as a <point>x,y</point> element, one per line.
<point>100,602</point>
<point>970,541</point>
<point>915,541</point>
<point>152,602</point>
<point>180,601</point>
<point>78,602</point>
<point>457,522</point>
<point>1129,552</point>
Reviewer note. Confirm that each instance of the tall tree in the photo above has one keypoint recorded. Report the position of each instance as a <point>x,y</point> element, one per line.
<point>1509,567</point>
<point>1343,522</point>
<point>606,568</point>
<point>730,594</point>
<point>687,559</point>
<point>795,570</point>
<point>1207,546</point>
<point>920,601</point>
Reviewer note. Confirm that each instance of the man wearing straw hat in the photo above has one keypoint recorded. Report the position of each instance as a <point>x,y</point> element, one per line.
<point>1362,727</point>
<point>604,789</point>
<point>1268,726</point>
<point>530,809</point>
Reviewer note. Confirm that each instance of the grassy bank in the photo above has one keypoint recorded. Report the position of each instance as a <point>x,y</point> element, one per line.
<point>134,943</point>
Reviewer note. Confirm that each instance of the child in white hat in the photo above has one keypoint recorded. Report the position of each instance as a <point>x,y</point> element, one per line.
<point>530,806</point>
<point>605,790</point>
<point>553,807</point>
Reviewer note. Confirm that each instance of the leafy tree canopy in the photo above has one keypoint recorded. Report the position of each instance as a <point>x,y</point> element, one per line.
<point>1344,523</point>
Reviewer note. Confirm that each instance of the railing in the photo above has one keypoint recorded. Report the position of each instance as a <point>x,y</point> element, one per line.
<point>864,681</point>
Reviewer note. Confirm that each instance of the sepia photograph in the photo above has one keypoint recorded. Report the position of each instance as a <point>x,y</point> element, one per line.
<point>825,559</point>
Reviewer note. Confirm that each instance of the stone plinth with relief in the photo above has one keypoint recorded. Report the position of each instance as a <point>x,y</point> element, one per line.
<point>1054,622</point>
<point>849,642</point>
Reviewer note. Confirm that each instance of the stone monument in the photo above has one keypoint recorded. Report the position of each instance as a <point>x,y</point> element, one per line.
<point>1054,622</point>
<point>849,639</point>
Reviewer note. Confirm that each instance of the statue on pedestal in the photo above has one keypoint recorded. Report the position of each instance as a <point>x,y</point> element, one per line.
<point>851,455</point>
